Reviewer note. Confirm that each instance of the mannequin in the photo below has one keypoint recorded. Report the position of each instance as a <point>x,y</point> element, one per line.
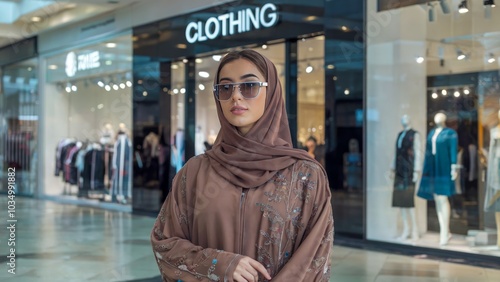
<point>492,195</point>
<point>405,169</point>
<point>107,134</point>
<point>440,172</point>
<point>122,167</point>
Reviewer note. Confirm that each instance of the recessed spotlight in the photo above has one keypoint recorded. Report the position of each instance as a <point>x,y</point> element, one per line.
<point>309,68</point>
<point>174,66</point>
<point>264,46</point>
<point>491,58</point>
<point>145,93</point>
<point>183,90</point>
<point>100,83</point>
<point>108,63</point>
<point>204,74</point>
<point>216,57</point>
<point>489,3</point>
<point>36,19</point>
<point>52,67</point>
<point>74,88</point>
<point>435,95</point>
<point>176,91</point>
<point>310,18</point>
<point>444,92</point>
<point>347,92</point>
<point>185,61</point>
<point>420,59</point>
<point>198,61</point>
<point>201,87</point>
<point>122,85</point>
<point>466,91</point>
<point>68,89</point>
<point>115,87</point>
<point>330,67</point>
<point>128,83</point>
<point>462,7</point>
<point>107,87</point>
<point>456,93</point>
<point>111,45</point>
<point>344,28</point>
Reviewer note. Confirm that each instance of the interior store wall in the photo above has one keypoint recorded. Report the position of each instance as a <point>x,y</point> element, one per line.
<point>396,86</point>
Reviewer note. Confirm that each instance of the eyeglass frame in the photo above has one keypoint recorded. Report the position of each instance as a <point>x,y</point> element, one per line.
<point>261,84</point>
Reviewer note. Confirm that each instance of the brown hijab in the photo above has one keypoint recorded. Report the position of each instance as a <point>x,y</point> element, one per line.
<point>251,160</point>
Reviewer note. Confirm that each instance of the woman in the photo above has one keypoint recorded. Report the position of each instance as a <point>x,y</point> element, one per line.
<point>252,208</point>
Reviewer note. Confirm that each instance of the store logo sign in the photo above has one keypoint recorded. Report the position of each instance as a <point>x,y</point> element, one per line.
<point>81,62</point>
<point>232,23</point>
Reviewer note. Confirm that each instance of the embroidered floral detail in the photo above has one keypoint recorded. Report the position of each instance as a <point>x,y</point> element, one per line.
<point>183,267</point>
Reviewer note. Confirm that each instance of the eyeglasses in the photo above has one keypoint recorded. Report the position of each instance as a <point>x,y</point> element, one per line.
<point>249,90</point>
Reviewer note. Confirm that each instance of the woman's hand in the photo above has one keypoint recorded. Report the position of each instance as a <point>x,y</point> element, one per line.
<point>248,270</point>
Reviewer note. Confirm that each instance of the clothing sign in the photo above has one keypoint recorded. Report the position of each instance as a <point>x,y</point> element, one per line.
<point>82,62</point>
<point>232,23</point>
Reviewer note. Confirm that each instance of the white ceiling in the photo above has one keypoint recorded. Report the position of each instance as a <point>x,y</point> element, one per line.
<point>17,16</point>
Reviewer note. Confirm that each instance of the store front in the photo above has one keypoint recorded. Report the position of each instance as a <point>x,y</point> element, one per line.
<point>433,89</point>
<point>19,117</point>
<point>174,63</point>
<point>87,121</point>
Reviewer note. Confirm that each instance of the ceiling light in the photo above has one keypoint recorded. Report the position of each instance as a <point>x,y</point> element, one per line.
<point>444,6</point>
<point>145,93</point>
<point>39,19</point>
<point>347,92</point>
<point>330,67</point>
<point>107,87</point>
<point>111,45</point>
<point>128,83</point>
<point>198,61</point>
<point>115,87</point>
<point>420,59</point>
<point>462,7</point>
<point>100,83</point>
<point>216,57</point>
<point>309,68</point>
<point>68,89</point>
<point>74,88</point>
<point>460,55</point>
<point>52,67</point>
<point>185,61</point>
<point>264,46</point>
<point>344,28</point>
<point>176,91</point>
<point>201,87</point>
<point>489,3</point>
<point>204,74</point>
<point>100,106</point>
<point>444,92</point>
<point>174,66</point>
<point>466,91</point>
<point>183,90</point>
<point>108,63</point>
<point>491,58</point>
<point>456,93</point>
<point>310,18</point>
<point>122,85</point>
<point>435,95</point>
<point>181,46</point>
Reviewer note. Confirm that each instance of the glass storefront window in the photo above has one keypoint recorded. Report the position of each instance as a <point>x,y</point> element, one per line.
<point>88,120</point>
<point>178,92</point>
<point>19,126</point>
<point>432,120</point>
<point>311,97</point>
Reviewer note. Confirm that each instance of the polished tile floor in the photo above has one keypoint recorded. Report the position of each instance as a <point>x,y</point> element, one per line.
<point>56,242</point>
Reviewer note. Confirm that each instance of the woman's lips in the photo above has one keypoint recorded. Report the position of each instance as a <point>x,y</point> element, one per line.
<point>238,110</point>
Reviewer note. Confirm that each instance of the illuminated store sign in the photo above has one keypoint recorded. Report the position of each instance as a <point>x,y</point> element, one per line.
<point>81,62</point>
<point>232,23</point>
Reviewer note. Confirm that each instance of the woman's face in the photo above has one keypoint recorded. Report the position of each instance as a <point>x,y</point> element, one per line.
<point>240,112</point>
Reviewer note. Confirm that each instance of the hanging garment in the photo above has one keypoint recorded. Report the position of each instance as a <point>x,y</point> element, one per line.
<point>492,193</point>
<point>93,171</point>
<point>122,167</point>
<point>436,174</point>
<point>67,162</point>
<point>405,163</point>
